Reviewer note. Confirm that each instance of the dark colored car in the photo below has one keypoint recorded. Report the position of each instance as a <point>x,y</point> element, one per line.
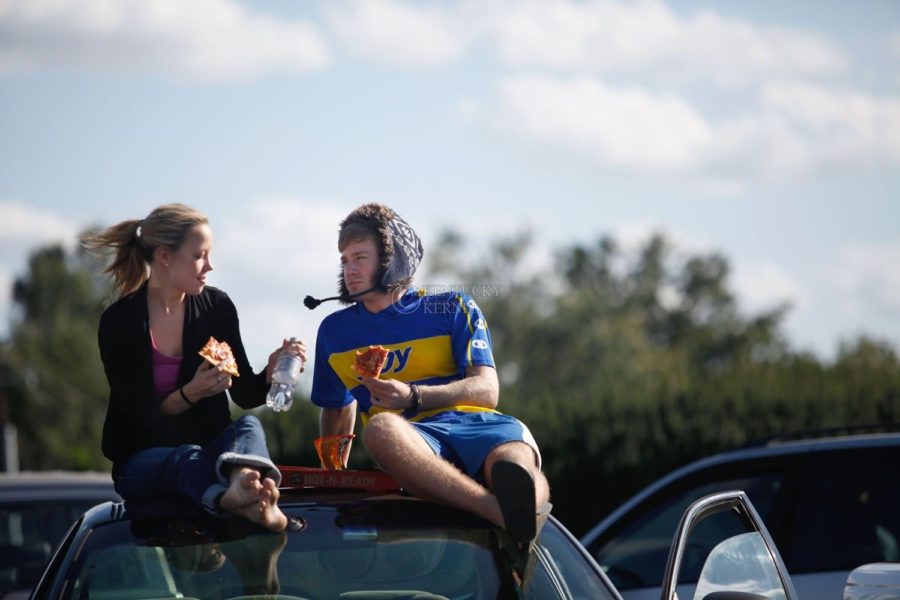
<point>830,504</point>
<point>36,510</point>
<point>347,542</point>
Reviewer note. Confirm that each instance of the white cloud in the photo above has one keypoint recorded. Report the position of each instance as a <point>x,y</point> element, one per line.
<point>632,236</point>
<point>208,39</point>
<point>24,229</point>
<point>858,294</point>
<point>845,126</point>
<point>786,128</point>
<point>597,36</point>
<point>468,110</point>
<point>222,39</point>
<point>282,238</point>
<point>616,128</point>
<point>765,285</point>
<point>404,34</point>
<point>607,36</point>
<point>796,130</point>
<point>867,279</point>
<point>268,256</point>
<point>893,46</point>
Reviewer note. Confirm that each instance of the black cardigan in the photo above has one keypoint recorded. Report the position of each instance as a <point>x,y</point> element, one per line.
<point>133,418</point>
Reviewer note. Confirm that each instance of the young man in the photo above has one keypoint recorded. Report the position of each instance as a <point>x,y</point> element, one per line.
<point>430,419</point>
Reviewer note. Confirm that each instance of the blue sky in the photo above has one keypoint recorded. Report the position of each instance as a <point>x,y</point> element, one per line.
<point>767,131</point>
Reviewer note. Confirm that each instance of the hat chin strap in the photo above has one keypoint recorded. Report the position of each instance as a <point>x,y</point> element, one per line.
<point>312,303</point>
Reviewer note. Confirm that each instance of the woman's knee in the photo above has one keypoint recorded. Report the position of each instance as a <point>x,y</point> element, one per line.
<point>248,422</point>
<point>185,454</point>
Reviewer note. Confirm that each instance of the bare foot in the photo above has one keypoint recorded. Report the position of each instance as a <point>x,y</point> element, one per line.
<point>272,517</point>
<point>244,489</point>
<point>264,510</point>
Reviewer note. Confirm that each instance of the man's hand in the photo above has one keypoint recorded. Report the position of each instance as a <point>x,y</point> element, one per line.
<point>479,387</point>
<point>389,393</point>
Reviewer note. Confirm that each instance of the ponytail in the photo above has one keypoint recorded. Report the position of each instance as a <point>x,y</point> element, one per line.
<point>133,242</point>
<point>130,265</point>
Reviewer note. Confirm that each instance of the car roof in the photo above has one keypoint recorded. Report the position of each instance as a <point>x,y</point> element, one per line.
<point>338,523</point>
<point>393,508</point>
<point>780,447</point>
<point>790,444</point>
<point>368,510</point>
<point>40,486</point>
<point>825,438</point>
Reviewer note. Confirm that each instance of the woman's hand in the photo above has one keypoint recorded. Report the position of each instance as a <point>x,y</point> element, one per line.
<point>208,381</point>
<point>297,348</point>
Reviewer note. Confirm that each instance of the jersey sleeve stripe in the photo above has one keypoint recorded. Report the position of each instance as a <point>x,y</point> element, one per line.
<point>465,309</point>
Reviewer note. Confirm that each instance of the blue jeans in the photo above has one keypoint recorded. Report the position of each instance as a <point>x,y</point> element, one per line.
<point>200,473</point>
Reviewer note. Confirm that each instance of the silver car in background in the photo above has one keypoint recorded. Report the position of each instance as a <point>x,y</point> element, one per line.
<point>831,504</point>
<point>36,510</point>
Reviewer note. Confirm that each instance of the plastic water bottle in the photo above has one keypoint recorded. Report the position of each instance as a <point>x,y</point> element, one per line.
<point>284,380</point>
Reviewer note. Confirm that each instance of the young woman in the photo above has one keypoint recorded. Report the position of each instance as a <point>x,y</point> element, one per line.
<point>168,428</point>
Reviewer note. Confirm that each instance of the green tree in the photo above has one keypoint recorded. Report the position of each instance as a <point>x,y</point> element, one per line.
<point>57,388</point>
<point>626,365</point>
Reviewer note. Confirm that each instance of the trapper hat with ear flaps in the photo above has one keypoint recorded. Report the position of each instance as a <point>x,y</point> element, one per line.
<point>400,247</point>
<point>405,257</point>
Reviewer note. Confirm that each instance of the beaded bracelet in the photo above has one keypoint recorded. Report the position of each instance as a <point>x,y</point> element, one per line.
<point>416,397</point>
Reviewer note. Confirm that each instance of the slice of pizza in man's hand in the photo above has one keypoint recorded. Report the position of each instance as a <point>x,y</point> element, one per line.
<point>219,353</point>
<point>371,362</point>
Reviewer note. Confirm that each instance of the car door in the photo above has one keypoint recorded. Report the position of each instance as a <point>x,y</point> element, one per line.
<point>633,548</point>
<point>724,535</point>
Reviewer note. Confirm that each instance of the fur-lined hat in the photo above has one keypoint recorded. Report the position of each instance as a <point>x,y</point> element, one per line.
<point>399,248</point>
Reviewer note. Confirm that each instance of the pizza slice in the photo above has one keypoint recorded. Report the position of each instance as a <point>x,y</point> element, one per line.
<point>219,353</point>
<point>371,362</point>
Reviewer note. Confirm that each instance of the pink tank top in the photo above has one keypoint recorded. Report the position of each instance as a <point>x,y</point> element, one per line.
<point>165,371</point>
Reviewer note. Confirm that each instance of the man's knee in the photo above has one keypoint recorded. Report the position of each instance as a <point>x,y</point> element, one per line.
<point>382,430</point>
<point>515,451</point>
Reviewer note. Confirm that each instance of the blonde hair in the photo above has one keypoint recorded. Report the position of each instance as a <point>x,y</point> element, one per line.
<point>133,242</point>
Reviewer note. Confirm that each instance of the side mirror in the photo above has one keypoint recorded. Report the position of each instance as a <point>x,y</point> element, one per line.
<point>722,544</point>
<point>874,581</point>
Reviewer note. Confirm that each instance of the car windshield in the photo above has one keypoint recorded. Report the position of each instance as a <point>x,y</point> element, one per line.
<point>326,553</point>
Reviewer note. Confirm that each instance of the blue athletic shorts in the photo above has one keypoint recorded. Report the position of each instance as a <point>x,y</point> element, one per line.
<point>466,438</point>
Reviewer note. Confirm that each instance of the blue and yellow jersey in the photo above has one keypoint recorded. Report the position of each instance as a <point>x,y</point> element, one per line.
<point>431,339</point>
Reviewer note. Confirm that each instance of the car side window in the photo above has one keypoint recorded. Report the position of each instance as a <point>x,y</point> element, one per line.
<point>861,486</point>
<point>636,557</point>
